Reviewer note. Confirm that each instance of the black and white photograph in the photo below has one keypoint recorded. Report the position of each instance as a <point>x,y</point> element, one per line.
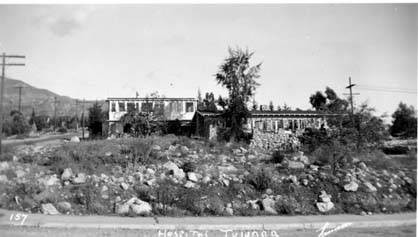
<point>208,119</point>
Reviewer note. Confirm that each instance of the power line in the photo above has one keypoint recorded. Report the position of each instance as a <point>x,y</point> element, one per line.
<point>388,90</point>
<point>3,72</point>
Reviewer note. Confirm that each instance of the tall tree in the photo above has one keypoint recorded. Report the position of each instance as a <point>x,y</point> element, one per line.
<point>318,101</point>
<point>95,120</point>
<point>238,77</point>
<point>404,121</point>
<point>271,106</point>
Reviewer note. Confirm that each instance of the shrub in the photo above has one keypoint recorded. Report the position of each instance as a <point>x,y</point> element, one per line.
<point>277,157</point>
<point>188,167</point>
<point>62,130</point>
<point>260,179</point>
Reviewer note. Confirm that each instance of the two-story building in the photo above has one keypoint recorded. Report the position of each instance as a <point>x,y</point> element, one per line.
<point>167,109</point>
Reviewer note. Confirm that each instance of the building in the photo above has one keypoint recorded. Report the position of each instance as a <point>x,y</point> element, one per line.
<point>268,128</point>
<point>166,109</point>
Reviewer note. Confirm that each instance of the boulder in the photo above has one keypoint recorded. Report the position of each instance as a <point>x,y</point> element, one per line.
<point>370,187</point>
<point>192,176</point>
<point>20,173</point>
<point>67,174</point>
<point>80,178</point>
<point>363,166</point>
<point>352,186</point>
<point>268,205</point>
<point>189,184</point>
<point>4,165</point>
<point>51,180</point>
<point>124,186</point>
<point>206,179</point>
<point>295,165</point>
<point>156,148</point>
<point>229,211</point>
<point>49,209</point>
<point>75,139</point>
<point>64,206</point>
<point>175,170</point>
<point>324,197</point>
<point>108,154</point>
<point>184,149</point>
<point>139,207</point>
<point>3,179</point>
<point>253,204</point>
<point>122,209</point>
<point>324,206</point>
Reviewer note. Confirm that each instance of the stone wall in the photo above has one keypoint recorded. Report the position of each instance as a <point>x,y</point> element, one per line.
<point>270,140</point>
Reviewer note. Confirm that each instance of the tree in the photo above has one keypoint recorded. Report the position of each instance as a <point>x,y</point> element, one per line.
<point>404,122</point>
<point>318,100</point>
<point>255,105</point>
<point>286,107</point>
<point>95,120</point>
<point>16,124</point>
<point>271,106</point>
<point>238,77</point>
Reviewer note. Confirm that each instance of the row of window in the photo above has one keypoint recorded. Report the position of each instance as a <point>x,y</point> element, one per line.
<point>290,124</point>
<point>157,108</point>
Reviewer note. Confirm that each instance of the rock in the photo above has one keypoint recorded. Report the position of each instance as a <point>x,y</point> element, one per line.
<point>189,184</point>
<point>227,169</point>
<point>20,173</point>
<point>229,211</point>
<point>3,179</point>
<point>4,165</point>
<point>363,213</point>
<point>268,205</point>
<point>243,150</point>
<point>324,206</point>
<point>124,186</point>
<point>49,209</point>
<point>305,182</point>
<point>175,170</point>
<point>156,148</point>
<point>150,171</point>
<point>75,139</point>
<point>225,182</point>
<point>108,154</point>
<point>139,207</point>
<point>172,148</point>
<point>253,204</point>
<point>51,180</point>
<point>314,167</point>
<point>192,176</point>
<point>64,206</point>
<point>352,186</point>
<point>294,179</point>
<point>67,174</point>
<point>80,178</point>
<point>122,209</point>
<point>324,197</point>
<point>302,158</point>
<point>295,165</point>
<point>363,166</point>
<point>184,149</point>
<point>206,179</point>
<point>269,191</point>
<point>370,187</point>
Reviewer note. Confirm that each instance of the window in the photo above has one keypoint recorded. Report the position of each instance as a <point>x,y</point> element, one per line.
<point>113,109</point>
<point>189,107</point>
<point>146,107</point>
<point>159,109</point>
<point>121,106</point>
<point>131,107</point>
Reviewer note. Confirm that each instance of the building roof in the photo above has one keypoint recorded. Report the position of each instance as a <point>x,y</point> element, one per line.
<point>151,99</point>
<point>287,113</point>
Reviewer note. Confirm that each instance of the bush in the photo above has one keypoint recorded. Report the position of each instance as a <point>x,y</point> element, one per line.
<point>260,179</point>
<point>188,167</point>
<point>62,130</point>
<point>277,157</point>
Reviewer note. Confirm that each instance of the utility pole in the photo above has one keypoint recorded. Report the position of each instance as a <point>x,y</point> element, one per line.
<point>20,97</point>
<point>3,72</point>
<point>350,87</point>
<point>55,112</point>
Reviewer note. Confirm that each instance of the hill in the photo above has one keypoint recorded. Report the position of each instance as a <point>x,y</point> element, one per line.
<point>42,100</point>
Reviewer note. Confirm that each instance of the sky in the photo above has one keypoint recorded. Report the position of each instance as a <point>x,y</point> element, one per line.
<point>100,51</point>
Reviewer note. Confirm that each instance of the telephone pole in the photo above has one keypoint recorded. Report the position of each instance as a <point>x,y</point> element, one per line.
<point>3,72</point>
<point>350,87</point>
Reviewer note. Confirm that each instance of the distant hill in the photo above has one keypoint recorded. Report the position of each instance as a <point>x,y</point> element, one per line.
<point>42,100</point>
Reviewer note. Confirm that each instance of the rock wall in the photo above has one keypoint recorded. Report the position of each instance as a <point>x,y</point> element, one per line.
<point>270,140</point>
